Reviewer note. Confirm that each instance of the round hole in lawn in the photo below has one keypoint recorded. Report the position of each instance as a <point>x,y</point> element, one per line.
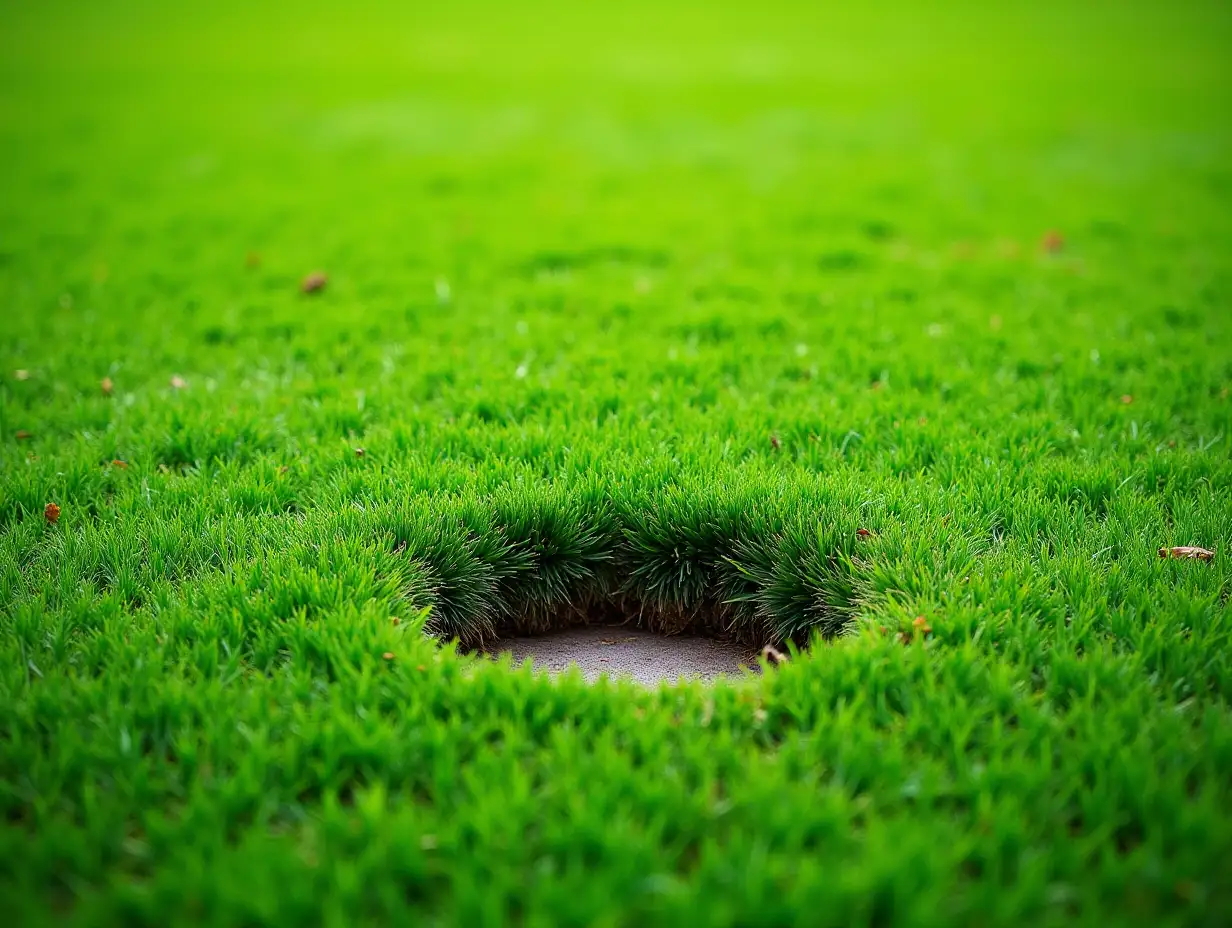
<point>618,635</point>
<point>627,651</point>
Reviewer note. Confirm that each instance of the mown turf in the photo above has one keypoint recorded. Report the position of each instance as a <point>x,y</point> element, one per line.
<point>649,313</point>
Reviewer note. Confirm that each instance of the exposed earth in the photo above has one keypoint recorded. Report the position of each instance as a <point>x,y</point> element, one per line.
<point>628,652</point>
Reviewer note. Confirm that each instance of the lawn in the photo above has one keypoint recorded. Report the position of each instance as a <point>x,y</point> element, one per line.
<point>899,338</point>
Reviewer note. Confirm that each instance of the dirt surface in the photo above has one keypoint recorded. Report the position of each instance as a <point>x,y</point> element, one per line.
<point>619,651</point>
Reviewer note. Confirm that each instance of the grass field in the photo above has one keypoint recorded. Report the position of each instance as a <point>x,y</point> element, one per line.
<point>905,333</point>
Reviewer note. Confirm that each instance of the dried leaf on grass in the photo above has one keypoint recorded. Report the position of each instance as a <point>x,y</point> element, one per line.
<point>773,655</point>
<point>314,282</point>
<point>1191,552</point>
<point>51,512</point>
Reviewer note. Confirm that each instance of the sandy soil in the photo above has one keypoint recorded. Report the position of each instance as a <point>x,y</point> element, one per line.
<point>618,651</point>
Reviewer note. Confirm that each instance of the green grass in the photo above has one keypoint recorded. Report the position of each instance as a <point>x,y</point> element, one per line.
<point>648,311</point>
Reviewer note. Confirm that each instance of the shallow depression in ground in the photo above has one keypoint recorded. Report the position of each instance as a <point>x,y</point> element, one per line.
<point>626,652</point>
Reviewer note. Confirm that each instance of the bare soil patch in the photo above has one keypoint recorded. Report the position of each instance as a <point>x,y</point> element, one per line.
<point>622,651</point>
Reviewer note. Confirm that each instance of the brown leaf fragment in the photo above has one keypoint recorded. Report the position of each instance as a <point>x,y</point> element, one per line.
<point>922,624</point>
<point>51,512</point>
<point>1052,242</point>
<point>863,532</point>
<point>106,386</point>
<point>123,465</point>
<point>1192,552</point>
<point>1126,398</point>
<point>773,655</point>
<point>314,282</point>
<point>252,259</point>
<point>388,655</point>
<point>22,434</point>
